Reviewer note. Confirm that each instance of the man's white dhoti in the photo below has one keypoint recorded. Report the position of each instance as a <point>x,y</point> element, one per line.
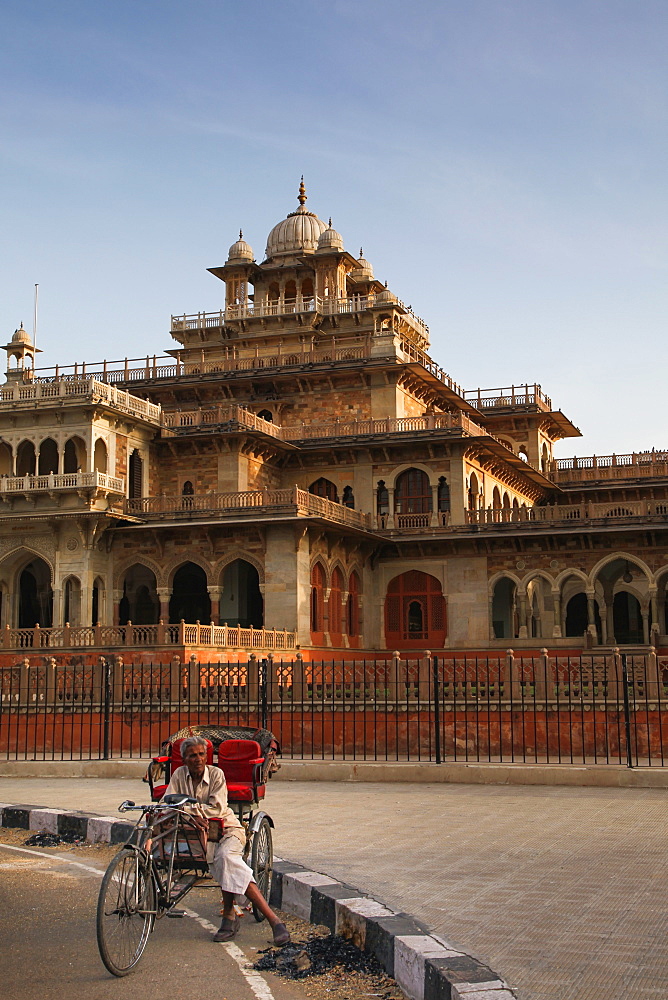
<point>228,866</point>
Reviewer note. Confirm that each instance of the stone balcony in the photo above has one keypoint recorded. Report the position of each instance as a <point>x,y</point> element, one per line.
<point>510,397</point>
<point>610,468</point>
<point>61,489</point>
<point>76,389</point>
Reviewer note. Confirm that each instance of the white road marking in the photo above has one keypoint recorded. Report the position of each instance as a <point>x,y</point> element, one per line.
<point>51,857</point>
<point>257,984</point>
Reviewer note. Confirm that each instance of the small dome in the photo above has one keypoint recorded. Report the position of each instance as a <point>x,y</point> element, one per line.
<point>21,336</point>
<point>330,239</point>
<point>385,295</point>
<point>299,233</point>
<point>240,251</point>
<point>363,270</point>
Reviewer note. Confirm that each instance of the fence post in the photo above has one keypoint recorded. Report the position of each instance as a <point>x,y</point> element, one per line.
<point>437,711</point>
<point>253,680</point>
<point>540,676</point>
<point>393,680</point>
<point>175,683</point>
<point>107,682</point>
<point>50,670</point>
<point>7,636</point>
<point>23,692</point>
<point>193,680</point>
<point>298,679</point>
<point>652,675</point>
<point>627,708</point>
<point>512,677</point>
<point>423,677</point>
<point>119,681</point>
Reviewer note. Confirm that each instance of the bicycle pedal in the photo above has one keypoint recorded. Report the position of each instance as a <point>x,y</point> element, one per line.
<point>175,914</point>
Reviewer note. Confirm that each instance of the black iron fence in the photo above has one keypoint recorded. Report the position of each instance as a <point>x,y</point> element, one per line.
<point>547,708</point>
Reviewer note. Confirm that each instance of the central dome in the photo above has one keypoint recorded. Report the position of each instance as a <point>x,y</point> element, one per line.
<point>299,233</point>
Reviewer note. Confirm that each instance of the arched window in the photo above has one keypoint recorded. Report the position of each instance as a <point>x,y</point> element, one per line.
<point>190,599</point>
<point>273,292</point>
<point>5,459</point>
<point>74,456</point>
<point>443,495</point>
<point>241,601</point>
<point>412,494</point>
<point>35,595</point>
<point>353,607</point>
<point>139,603</point>
<point>290,291</point>
<point>100,456</point>
<point>317,603</point>
<point>504,614</point>
<point>324,488</point>
<point>348,497</point>
<point>382,498</point>
<point>335,606</point>
<point>72,601</point>
<point>266,415</point>
<point>48,457</point>
<point>415,611</point>
<point>25,459</point>
<point>473,492</point>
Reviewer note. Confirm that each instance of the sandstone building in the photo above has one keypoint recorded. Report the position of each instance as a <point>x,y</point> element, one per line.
<point>299,462</point>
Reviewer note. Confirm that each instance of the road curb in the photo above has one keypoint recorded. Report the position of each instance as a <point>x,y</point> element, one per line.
<point>424,965</point>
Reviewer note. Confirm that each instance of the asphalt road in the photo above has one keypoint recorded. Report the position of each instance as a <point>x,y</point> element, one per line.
<point>48,947</point>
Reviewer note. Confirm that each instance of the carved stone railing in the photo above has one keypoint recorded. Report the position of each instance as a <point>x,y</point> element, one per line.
<point>514,395</point>
<point>113,636</point>
<point>593,468</point>
<point>291,502</point>
<point>613,510</point>
<point>60,482</point>
<point>76,388</point>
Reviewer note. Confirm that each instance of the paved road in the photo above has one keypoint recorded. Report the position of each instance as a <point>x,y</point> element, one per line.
<point>563,891</point>
<point>48,948</point>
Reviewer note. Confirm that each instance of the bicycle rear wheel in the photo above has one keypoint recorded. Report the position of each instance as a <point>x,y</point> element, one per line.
<point>262,862</point>
<point>125,911</point>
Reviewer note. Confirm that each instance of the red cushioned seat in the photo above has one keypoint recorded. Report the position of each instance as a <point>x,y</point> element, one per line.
<point>157,792</point>
<point>241,761</point>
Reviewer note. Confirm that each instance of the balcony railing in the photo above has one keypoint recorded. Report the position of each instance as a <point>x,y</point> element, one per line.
<point>591,468</point>
<point>514,395</point>
<point>156,368</point>
<point>78,388</point>
<point>614,511</point>
<point>292,502</point>
<point>112,636</point>
<point>64,481</point>
<point>287,307</point>
<point>185,420</point>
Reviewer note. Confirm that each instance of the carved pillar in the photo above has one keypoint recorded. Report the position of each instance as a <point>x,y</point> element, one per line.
<point>491,616</point>
<point>523,631</point>
<point>57,606</point>
<point>556,629</point>
<point>610,622</point>
<point>391,520</point>
<point>163,596</point>
<point>434,505</point>
<point>117,598</point>
<point>644,611</point>
<point>214,594</point>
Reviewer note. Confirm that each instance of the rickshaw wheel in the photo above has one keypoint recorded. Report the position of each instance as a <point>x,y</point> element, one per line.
<point>262,862</point>
<point>124,920</point>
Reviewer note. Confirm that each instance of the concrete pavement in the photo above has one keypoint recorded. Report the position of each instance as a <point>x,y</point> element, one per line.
<point>562,890</point>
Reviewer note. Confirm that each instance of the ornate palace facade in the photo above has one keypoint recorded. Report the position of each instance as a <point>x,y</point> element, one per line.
<point>298,462</point>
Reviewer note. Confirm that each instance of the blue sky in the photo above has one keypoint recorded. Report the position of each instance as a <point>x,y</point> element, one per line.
<point>503,164</point>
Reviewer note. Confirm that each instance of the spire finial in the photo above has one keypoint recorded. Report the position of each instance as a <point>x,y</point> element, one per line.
<point>330,222</point>
<point>241,234</point>
<point>302,193</point>
<point>361,253</point>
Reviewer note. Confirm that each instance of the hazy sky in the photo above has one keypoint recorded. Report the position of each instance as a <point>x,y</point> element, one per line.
<point>503,164</point>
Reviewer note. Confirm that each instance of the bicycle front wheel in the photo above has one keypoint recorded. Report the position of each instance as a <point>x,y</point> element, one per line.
<point>125,911</point>
<point>262,862</point>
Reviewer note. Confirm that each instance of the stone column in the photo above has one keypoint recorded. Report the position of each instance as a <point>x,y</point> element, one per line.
<point>556,629</point>
<point>609,623</point>
<point>523,631</point>
<point>491,616</point>
<point>434,505</point>
<point>57,606</point>
<point>164,595</point>
<point>214,594</point>
<point>644,611</point>
<point>391,521</point>
<point>117,598</point>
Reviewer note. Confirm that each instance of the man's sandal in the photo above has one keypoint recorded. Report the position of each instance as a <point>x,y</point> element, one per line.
<point>227,930</point>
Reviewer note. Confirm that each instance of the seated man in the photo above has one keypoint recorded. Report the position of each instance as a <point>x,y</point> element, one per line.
<point>207,785</point>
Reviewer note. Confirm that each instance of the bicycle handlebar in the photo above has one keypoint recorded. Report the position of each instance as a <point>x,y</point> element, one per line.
<point>174,801</point>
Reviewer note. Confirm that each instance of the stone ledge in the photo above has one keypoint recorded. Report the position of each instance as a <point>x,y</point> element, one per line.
<point>425,966</point>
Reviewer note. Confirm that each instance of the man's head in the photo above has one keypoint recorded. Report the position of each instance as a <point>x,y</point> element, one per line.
<point>193,751</point>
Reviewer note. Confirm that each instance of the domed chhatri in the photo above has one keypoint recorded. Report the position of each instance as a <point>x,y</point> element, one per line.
<point>22,336</point>
<point>299,233</point>
<point>330,239</point>
<point>240,252</point>
<point>363,270</point>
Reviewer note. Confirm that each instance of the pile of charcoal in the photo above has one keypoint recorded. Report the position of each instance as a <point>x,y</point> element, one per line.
<point>44,839</point>
<point>317,956</point>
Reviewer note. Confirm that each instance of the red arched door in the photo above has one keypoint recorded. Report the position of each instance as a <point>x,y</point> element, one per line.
<point>415,612</point>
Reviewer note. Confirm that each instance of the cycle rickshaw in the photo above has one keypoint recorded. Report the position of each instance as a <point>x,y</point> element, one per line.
<point>166,854</point>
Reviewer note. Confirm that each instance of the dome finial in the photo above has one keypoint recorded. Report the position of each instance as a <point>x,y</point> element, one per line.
<point>241,234</point>
<point>361,252</point>
<point>302,193</point>
<point>330,222</point>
